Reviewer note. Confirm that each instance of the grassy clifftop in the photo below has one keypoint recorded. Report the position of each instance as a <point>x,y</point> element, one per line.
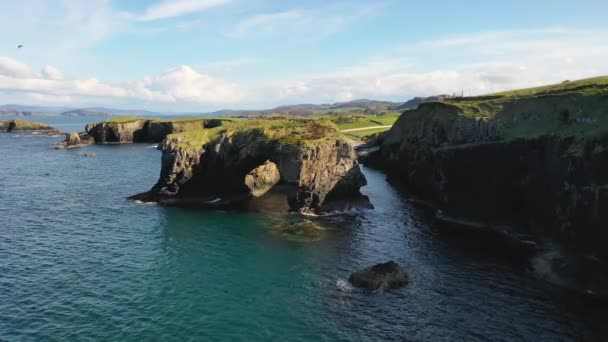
<point>572,108</point>
<point>284,131</point>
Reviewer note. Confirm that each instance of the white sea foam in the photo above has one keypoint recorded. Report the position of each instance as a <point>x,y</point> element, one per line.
<point>344,285</point>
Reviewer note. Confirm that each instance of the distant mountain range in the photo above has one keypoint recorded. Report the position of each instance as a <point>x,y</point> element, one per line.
<point>25,110</point>
<point>362,106</point>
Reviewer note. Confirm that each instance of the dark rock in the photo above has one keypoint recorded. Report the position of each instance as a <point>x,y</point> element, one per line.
<point>543,183</point>
<point>386,276</point>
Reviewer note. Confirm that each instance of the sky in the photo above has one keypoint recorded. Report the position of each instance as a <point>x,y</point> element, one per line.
<point>205,55</point>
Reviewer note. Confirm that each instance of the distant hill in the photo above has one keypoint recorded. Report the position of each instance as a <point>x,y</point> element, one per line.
<point>25,110</point>
<point>416,101</point>
<point>362,106</point>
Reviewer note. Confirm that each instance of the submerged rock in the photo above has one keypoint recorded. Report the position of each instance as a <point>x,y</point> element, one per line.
<point>386,276</point>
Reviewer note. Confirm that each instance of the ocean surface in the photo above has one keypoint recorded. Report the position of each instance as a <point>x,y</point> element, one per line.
<point>80,262</point>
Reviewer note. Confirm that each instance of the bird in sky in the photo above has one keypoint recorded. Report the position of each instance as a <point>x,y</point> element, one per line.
<point>19,46</point>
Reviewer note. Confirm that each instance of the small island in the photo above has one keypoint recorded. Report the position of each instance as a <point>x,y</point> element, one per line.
<point>24,126</point>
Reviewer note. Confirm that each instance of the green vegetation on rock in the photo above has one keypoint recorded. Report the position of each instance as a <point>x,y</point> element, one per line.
<point>284,131</point>
<point>571,108</point>
<point>23,125</point>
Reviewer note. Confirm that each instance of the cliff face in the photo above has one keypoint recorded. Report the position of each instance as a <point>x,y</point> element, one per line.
<point>248,161</point>
<point>537,161</point>
<point>144,130</point>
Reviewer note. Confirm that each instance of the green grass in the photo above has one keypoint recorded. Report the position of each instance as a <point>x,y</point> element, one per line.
<point>359,121</point>
<point>573,108</point>
<point>125,119</point>
<point>364,134</point>
<point>284,131</point>
<point>195,139</point>
<point>24,125</point>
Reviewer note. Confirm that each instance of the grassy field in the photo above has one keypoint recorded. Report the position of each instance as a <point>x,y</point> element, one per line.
<point>285,131</point>
<point>572,108</point>
<point>126,119</point>
<point>357,121</point>
<point>366,133</point>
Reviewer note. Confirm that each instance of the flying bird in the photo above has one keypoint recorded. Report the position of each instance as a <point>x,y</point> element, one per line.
<point>19,46</point>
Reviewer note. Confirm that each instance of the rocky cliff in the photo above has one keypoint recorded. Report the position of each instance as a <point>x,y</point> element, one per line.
<point>241,160</point>
<point>136,130</point>
<point>535,159</point>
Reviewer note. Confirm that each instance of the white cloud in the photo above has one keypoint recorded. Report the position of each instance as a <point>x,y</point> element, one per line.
<point>186,84</point>
<point>474,64</point>
<point>321,22</point>
<point>51,73</point>
<point>182,84</point>
<point>175,8</point>
<point>13,68</point>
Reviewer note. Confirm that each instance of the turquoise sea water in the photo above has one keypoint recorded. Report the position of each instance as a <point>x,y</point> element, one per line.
<point>80,262</point>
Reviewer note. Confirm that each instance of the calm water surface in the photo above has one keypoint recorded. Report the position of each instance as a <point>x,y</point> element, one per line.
<point>80,262</point>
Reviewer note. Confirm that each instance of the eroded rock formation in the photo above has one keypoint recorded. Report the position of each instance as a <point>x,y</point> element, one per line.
<point>243,160</point>
<point>75,140</point>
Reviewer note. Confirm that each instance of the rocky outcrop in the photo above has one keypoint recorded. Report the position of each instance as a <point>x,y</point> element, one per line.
<point>124,131</point>
<point>380,277</point>
<point>75,140</point>
<point>25,126</point>
<point>262,178</point>
<point>536,161</point>
<point>243,161</point>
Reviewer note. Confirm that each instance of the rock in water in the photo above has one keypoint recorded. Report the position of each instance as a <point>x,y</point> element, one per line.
<point>75,140</point>
<point>386,276</point>
<point>262,178</point>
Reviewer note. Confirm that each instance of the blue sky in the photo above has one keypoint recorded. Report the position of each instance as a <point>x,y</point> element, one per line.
<point>201,55</point>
